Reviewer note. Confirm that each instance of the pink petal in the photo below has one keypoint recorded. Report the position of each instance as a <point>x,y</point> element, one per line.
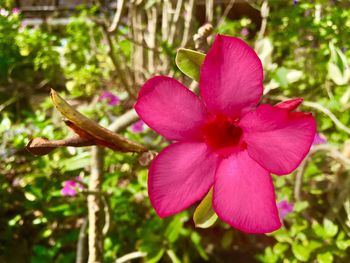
<point>70,183</point>
<point>171,109</point>
<point>244,196</point>
<point>179,176</point>
<point>231,78</point>
<point>278,139</point>
<point>290,104</point>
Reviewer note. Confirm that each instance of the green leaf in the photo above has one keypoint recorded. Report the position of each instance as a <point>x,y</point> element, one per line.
<point>319,230</point>
<point>313,245</point>
<point>76,162</point>
<point>343,244</point>
<point>338,67</point>
<point>189,62</point>
<point>326,257</point>
<point>155,257</point>
<point>173,230</point>
<point>335,74</point>
<point>280,248</point>
<point>282,235</point>
<point>196,240</point>
<point>300,252</point>
<point>204,215</point>
<point>330,228</point>
<point>281,77</point>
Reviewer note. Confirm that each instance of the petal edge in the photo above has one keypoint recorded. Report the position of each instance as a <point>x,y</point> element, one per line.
<point>244,195</point>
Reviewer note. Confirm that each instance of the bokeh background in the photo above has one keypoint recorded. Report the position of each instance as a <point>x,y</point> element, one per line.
<point>97,54</point>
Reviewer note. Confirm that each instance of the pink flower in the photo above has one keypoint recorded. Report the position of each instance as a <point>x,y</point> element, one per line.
<point>285,208</point>
<point>223,139</point>
<point>112,99</point>
<point>16,11</point>
<point>318,139</point>
<point>244,32</point>
<point>70,187</point>
<point>138,126</point>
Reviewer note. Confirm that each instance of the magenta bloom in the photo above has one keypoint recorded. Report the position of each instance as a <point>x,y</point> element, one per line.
<point>285,208</point>
<point>138,126</point>
<point>70,187</point>
<point>223,139</point>
<point>112,99</point>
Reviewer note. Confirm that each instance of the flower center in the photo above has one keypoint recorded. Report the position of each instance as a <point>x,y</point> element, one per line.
<point>223,135</point>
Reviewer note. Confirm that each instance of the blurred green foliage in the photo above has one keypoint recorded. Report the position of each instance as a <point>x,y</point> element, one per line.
<point>305,53</point>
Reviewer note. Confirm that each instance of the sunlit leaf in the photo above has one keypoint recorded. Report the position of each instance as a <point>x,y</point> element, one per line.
<point>189,62</point>
<point>326,257</point>
<point>330,228</point>
<point>156,256</point>
<point>281,77</point>
<point>294,75</point>
<point>338,67</point>
<point>300,252</point>
<point>204,215</point>
<point>264,50</point>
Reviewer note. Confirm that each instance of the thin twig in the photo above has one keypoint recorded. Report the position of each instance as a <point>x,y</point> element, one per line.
<point>226,11</point>
<point>326,111</point>
<point>165,19</point>
<point>142,44</point>
<point>42,146</point>
<point>332,151</point>
<point>264,11</point>
<point>130,256</point>
<point>117,16</point>
<point>112,54</point>
<point>299,179</point>
<point>174,22</point>
<point>150,38</point>
<point>209,10</point>
<point>187,22</point>
<point>107,213</point>
<point>124,121</point>
<point>81,251</point>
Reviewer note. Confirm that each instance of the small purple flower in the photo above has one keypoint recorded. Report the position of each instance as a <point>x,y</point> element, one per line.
<point>318,139</point>
<point>112,99</point>
<point>244,32</point>
<point>295,2</point>
<point>138,126</point>
<point>285,208</point>
<point>16,11</point>
<point>70,187</point>
<point>343,49</point>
